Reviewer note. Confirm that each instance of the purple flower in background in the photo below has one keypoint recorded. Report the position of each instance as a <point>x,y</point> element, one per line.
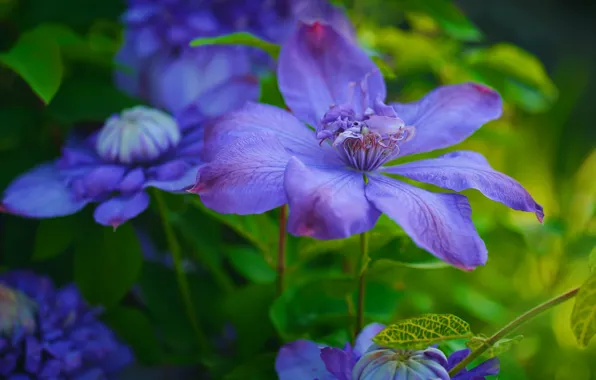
<point>210,80</point>
<point>305,360</point>
<point>53,333</point>
<point>139,148</point>
<point>261,157</point>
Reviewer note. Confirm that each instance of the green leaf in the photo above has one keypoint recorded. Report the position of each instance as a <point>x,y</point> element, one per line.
<point>81,100</point>
<point>423,331</point>
<point>270,93</point>
<point>384,231</point>
<point>239,38</point>
<point>582,197</point>
<point>592,260</point>
<point>519,75</point>
<point>583,316</point>
<point>134,328</point>
<point>257,368</point>
<point>36,58</point>
<point>259,230</point>
<point>251,265</point>
<point>497,349</point>
<point>107,263</point>
<point>449,18</point>
<point>53,236</point>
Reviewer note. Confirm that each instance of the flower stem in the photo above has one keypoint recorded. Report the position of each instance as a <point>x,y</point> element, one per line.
<point>360,274</point>
<point>174,246</point>
<point>512,326</point>
<point>281,250</point>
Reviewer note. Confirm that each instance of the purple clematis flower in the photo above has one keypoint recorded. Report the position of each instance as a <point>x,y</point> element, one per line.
<point>261,157</point>
<point>209,80</point>
<point>51,333</point>
<point>305,360</point>
<point>139,148</point>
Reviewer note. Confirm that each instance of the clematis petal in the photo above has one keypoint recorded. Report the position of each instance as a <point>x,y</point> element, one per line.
<point>118,210</point>
<point>319,68</point>
<point>470,170</point>
<point>41,193</point>
<point>253,118</point>
<point>245,178</point>
<point>338,362</point>
<point>229,96</point>
<point>364,339</point>
<point>301,360</point>
<point>327,203</point>
<point>184,182</point>
<point>448,115</point>
<point>439,223</point>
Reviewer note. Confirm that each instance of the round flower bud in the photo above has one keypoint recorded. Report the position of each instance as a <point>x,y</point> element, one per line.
<point>137,135</point>
<point>17,311</point>
<point>395,364</point>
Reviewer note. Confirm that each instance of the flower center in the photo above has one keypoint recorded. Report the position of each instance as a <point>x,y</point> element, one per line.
<point>137,135</point>
<point>365,143</point>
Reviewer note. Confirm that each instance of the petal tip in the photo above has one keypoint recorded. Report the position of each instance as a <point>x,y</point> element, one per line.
<point>483,89</point>
<point>539,213</point>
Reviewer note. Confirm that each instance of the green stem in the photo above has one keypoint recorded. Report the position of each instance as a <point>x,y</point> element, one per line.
<point>360,274</point>
<point>180,275</point>
<point>512,326</point>
<point>281,250</point>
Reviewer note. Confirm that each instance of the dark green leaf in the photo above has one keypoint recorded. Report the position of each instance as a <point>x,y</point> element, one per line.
<point>36,58</point>
<point>583,317</point>
<point>88,100</point>
<point>423,331</point>
<point>258,368</point>
<point>260,230</point>
<point>239,38</point>
<point>134,328</point>
<point>107,263</point>
<point>251,265</point>
<point>53,237</point>
<point>270,92</point>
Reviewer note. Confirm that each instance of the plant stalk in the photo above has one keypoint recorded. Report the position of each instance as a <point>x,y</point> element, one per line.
<point>511,326</point>
<point>281,250</point>
<point>183,286</point>
<point>360,274</point>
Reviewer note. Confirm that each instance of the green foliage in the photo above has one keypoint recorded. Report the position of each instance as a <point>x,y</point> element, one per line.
<point>500,347</point>
<point>53,237</point>
<point>423,331</point>
<point>102,254</point>
<point>135,328</point>
<point>583,318</point>
<point>239,38</point>
<point>32,48</point>
<point>251,265</point>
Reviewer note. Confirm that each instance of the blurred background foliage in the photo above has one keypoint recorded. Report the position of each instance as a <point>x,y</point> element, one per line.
<point>538,54</point>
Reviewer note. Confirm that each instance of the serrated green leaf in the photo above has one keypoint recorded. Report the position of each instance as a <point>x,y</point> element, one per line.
<point>251,265</point>
<point>107,263</point>
<point>53,236</point>
<point>239,38</point>
<point>36,58</point>
<point>497,349</point>
<point>583,316</point>
<point>423,331</point>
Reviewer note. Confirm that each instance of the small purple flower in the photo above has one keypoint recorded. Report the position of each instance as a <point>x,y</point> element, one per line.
<point>261,157</point>
<point>211,79</point>
<point>305,360</point>
<point>136,149</point>
<point>54,334</point>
